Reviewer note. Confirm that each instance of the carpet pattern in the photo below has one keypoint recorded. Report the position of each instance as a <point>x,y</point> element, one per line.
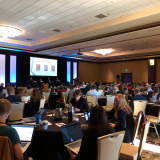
<point>151,139</point>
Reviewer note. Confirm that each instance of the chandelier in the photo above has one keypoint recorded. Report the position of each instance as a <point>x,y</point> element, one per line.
<point>7,31</point>
<point>103,51</point>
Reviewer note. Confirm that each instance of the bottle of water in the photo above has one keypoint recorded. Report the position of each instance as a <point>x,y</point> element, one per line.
<point>38,119</point>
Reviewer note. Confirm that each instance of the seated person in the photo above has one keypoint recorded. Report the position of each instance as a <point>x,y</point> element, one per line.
<point>34,103</point>
<point>80,104</point>
<point>1,87</point>
<point>60,90</point>
<point>45,88</point>
<point>136,97</point>
<point>5,108</point>
<point>70,93</point>
<point>88,87</point>
<point>100,87</point>
<point>11,97</point>
<point>115,89</point>
<point>129,89</point>
<point>155,95</point>
<point>97,127</point>
<point>149,88</point>
<point>93,92</point>
<point>123,118</point>
<point>15,89</point>
<point>4,91</point>
<point>121,90</point>
<point>58,82</point>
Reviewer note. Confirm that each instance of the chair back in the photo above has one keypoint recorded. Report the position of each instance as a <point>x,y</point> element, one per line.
<point>46,95</point>
<point>49,90</point>
<point>143,137</point>
<point>68,89</point>
<point>139,105</point>
<point>136,127</point>
<point>42,102</point>
<point>150,94</point>
<point>25,98</point>
<point>109,146</point>
<point>126,91</point>
<point>16,111</point>
<point>110,102</point>
<point>64,97</point>
<point>92,99</point>
<point>6,149</point>
<point>29,91</point>
<point>100,92</point>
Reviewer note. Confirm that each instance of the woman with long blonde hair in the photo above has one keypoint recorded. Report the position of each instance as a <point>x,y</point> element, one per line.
<point>124,117</point>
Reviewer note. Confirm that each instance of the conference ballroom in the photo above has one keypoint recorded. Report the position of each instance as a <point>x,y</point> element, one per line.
<point>79,80</point>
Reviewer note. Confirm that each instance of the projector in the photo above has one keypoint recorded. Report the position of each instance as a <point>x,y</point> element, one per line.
<point>79,53</point>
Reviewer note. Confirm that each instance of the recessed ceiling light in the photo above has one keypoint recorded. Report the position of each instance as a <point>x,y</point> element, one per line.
<point>144,40</point>
<point>75,24</point>
<point>39,12</point>
<point>123,59</point>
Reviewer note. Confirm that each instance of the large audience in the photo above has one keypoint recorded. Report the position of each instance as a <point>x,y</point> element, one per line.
<point>118,119</point>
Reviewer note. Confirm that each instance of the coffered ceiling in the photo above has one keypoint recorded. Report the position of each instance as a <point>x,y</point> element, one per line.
<point>62,27</point>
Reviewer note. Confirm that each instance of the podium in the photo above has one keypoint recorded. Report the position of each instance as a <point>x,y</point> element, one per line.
<point>76,81</point>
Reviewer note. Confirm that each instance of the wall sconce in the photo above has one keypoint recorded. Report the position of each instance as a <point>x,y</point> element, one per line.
<point>151,62</point>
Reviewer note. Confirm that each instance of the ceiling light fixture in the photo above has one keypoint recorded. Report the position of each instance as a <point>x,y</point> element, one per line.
<point>104,51</point>
<point>7,31</point>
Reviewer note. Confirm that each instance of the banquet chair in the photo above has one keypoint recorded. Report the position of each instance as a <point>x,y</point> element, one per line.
<point>100,92</point>
<point>110,103</point>
<point>109,146</point>
<point>49,90</point>
<point>139,105</point>
<point>68,89</point>
<point>136,127</point>
<point>46,96</point>
<point>155,121</point>
<point>64,96</point>
<point>42,102</point>
<point>131,152</point>
<point>25,98</point>
<point>92,100</point>
<point>29,91</point>
<point>6,149</point>
<point>16,111</point>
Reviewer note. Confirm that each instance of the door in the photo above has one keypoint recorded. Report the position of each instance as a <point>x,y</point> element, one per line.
<point>126,77</point>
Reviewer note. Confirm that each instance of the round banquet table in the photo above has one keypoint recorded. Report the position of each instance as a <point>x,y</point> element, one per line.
<point>48,144</point>
<point>53,100</point>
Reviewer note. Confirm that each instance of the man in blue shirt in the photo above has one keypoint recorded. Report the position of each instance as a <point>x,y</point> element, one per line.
<point>136,97</point>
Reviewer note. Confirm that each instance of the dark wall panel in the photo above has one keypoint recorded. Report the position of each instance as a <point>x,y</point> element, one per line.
<point>23,66</point>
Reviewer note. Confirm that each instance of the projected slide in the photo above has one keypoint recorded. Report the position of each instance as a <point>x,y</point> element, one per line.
<point>43,67</point>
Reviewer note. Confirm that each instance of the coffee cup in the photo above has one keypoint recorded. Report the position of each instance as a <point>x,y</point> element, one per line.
<point>44,124</point>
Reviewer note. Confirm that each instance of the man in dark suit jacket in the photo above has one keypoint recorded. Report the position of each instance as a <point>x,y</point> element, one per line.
<point>88,87</point>
<point>11,97</point>
<point>136,97</point>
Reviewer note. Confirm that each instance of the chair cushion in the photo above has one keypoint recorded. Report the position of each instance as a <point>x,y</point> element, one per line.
<point>128,152</point>
<point>153,119</point>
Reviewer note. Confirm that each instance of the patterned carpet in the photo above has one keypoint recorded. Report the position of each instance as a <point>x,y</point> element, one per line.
<point>151,139</point>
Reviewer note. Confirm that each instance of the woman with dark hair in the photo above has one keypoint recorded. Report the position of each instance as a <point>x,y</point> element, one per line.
<point>97,127</point>
<point>34,103</point>
<point>80,104</point>
<point>124,118</point>
<point>121,90</point>
<point>60,90</point>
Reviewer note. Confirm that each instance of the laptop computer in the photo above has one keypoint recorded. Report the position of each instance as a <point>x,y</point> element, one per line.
<point>25,133</point>
<point>29,119</point>
<point>72,136</point>
<point>87,116</point>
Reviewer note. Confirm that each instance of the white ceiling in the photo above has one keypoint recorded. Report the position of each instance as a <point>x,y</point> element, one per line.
<point>38,19</point>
